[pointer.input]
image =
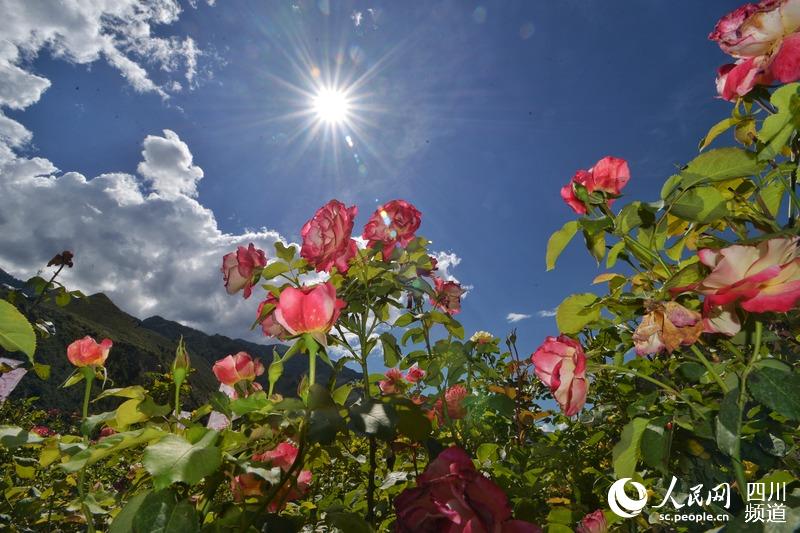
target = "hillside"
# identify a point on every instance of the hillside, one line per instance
(142, 349)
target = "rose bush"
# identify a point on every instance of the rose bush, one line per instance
(682, 370)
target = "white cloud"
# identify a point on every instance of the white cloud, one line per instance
(168, 165)
(545, 313)
(121, 31)
(144, 240)
(516, 317)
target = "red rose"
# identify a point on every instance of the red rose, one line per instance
(238, 268)
(88, 352)
(453, 497)
(313, 310)
(561, 365)
(448, 296)
(232, 369)
(392, 224)
(609, 175)
(326, 237)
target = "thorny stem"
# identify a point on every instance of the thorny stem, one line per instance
(46, 287)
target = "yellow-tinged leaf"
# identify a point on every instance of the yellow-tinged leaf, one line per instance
(558, 500)
(49, 454)
(25, 472)
(607, 276)
(128, 414)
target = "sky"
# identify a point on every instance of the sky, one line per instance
(153, 137)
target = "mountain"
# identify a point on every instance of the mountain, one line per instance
(143, 351)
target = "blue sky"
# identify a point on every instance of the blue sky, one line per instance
(476, 112)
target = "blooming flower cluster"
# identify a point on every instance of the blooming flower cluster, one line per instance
(609, 176)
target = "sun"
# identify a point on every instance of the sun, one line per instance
(331, 106)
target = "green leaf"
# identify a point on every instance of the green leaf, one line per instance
(413, 423)
(285, 252)
(577, 311)
(558, 241)
(701, 204)
(373, 419)
(715, 165)
(274, 269)
(13, 437)
(16, 333)
(776, 389)
(487, 452)
(686, 276)
(626, 452)
(174, 459)
(404, 320)
(391, 351)
(156, 512)
(111, 445)
(613, 253)
(349, 522)
(325, 420)
(341, 393)
(716, 130)
(728, 423)
(596, 244)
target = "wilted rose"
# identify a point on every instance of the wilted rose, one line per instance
(62, 259)
(312, 310)
(238, 268)
(394, 223)
(88, 352)
(561, 365)
(447, 296)
(762, 36)
(232, 369)
(451, 496)
(326, 237)
(246, 486)
(667, 326)
(609, 175)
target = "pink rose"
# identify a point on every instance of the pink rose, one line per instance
(760, 278)
(448, 296)
(232, 369)
(762, 37)
(326, 237)
(246, 486)
(292, 490)
(561, 365)
(666, 327)
(283, 456)
(415, 373)
(238, 268)
(451, 496)
(738, 79)
(270, 326)
(609, 175)
(313, 310)
(593, 523)
(87, 352)
(454, 401)
(394, 223)
(42, 431)
(393, 384)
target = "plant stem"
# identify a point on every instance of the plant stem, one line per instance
(707, 364)
(88, 375)
(312, 347)
(654, 381)
(738, 468)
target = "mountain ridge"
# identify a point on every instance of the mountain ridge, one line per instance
(142, 353)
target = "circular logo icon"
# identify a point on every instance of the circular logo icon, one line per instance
(621, 503)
